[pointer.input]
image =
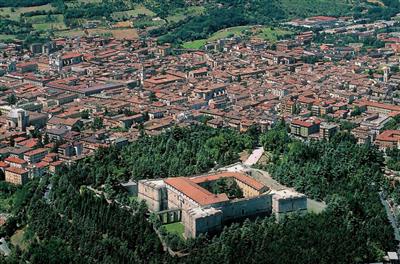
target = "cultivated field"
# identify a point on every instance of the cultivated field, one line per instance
(15, 13)
(125, 33)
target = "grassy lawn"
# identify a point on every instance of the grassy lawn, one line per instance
(6, 37)
(7, 11)
(44, 22)
(270, 34)
(138, 10)
(238, 31)
(18, 239)
(79, 2)
(147, 23)
(176, 228)
(315, 206)
(196, 44)
(263, 32)
(47, 26)
(40, 19)
(182, 13)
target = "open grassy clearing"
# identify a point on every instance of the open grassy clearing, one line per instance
(263, 32)
(49, 26)
(8, 11)
(7, 37)
(138, 10)
(80, 2)
(314, 206)
(175, 228)
(125, 33)
(40, 19)
(183, 13)
(44, 22)
(18, 239)
(148, 23)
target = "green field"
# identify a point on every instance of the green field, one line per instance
(7, 37)
(183, 13)
(40, 19)
(79, 2)
(124, 33)
(48, 26)
(138, 10)
(44, 22)
(196, 44)
(175, 228)
(315, 207)
(15, 15)
(263, 32)
(18, 239)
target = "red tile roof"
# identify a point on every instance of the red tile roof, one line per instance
(3, 164)
(15, 160)
(238, 176)
(16, 170)
(191, 188)
(389, 135)
(195, 191)
(305, 123)
(36, 151)
(29, 143)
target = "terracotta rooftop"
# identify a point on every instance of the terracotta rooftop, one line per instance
(16, 170)
(195, 191)
(15, 160)
(36, 151)
(389, 135)
(238, 176)
(191, 188)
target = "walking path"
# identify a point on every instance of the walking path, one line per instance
(254, 157)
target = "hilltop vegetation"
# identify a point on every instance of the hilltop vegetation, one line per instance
(176, 21)
(77, 226)
(229, 13)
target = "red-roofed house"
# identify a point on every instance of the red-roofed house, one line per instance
(16, 162)
(17, 176)
(388, 139)
(304, 128)
(35, 155)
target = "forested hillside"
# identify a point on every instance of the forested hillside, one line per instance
(177, 21)
(73, 225)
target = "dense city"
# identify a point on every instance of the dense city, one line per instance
(155, 152)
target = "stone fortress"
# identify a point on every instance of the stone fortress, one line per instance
(189, 200)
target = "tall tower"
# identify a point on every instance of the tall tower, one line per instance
(386, 72)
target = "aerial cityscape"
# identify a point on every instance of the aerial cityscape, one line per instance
(192, 131)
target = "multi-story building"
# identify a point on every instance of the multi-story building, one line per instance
(304, 128)
(388, 139)
(327, 131)
(35, 155)
(201, 210)
(17, 176)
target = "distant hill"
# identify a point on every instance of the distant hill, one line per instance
(227, 13)
(176, 21)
